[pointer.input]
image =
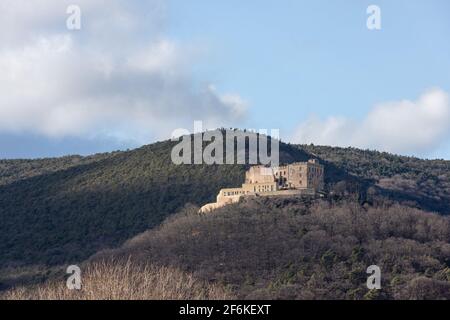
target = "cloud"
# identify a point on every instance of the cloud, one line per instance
(405, 127)
(119, 76)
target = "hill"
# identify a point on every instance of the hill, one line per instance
(426, 182)
(21, 169)
(283, 248)
(272, 248)
(63, 210)
(68, 214)
(55, 211)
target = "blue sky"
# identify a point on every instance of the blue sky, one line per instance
(309, 68)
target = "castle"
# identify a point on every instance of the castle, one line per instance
(293, 179)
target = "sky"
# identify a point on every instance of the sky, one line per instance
(136, 71)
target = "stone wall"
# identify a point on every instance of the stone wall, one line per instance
(296, 178)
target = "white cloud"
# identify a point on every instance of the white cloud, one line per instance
(119, 76)
(406, 127)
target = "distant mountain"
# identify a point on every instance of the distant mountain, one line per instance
(63, 210)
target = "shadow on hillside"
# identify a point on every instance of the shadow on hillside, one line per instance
(68, 215)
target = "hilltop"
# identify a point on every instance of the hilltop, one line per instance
(63, 210)
(60, 210)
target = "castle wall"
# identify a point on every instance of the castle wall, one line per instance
(259, 174)
(296, 178)
(231, 195)
(260, 187)
(315, 175)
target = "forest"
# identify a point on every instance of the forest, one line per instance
(61, 211)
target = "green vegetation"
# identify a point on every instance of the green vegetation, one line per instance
(14, 170)
(69, 214)
(425, 182)
(63, 210)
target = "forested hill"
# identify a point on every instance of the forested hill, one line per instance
(62, 210)
(13, 170)
(68, 214)
(280, 248)
(424, 181)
